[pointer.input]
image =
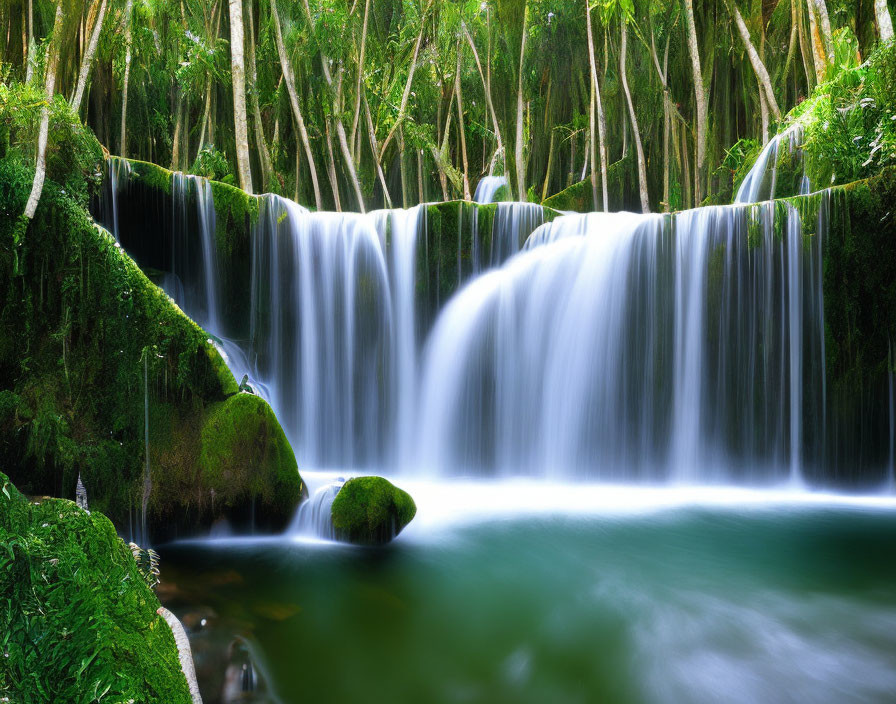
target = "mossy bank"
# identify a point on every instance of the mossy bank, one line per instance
(89, 342)
(79, 622)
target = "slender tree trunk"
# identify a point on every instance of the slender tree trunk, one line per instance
(358, 86)
(206, 113)
(639, 148)
(40, 167)
(819, 55)
(791, 46)
(518, 151)
(238, 74)
(32, 45)
(294, 103)
(403, 169)
(592, 117)
(87, 60)
(825, 24)
(460, 121)
(374, 150)
(667, 128)
(884, 21)
(264, 153)
(700, 96)
(547, 175)
(765, 83)
(486, 86)
(128, 36)
(402, 109)
(175, 148)
(805, 49)
(331, 169)
(763, 113)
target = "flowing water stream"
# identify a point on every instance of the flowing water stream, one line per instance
(559, 419)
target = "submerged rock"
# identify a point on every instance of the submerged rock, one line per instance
(371, 511)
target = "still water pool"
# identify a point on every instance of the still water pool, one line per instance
(533, 593)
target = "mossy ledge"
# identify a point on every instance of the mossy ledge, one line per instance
(371, 511)
(83, 624)
(86, 330)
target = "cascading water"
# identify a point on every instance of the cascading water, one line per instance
(313, 517)
(488, 188)
(763, 181)
(685, 348)
(623, 346)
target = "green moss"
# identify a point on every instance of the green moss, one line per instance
(371, 511)
(78, 621)
(577, 198)
(83, 321)
(152, 175)
(245, 457)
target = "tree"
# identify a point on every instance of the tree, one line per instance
(884, 21)
(40, 168)
(87, 60)
(701, 103)
(238, 72)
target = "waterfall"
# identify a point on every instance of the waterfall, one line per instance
(685, 348)
(781, 158)
(313, 517)
(488, 188)
(622, 346)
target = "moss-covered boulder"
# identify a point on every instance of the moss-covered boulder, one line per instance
(371, 511)
(247, 461)
(78, 622)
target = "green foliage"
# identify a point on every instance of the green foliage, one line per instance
(78, 623)
(371, 511)
(74, 156)
(850, 122)
(212, 164)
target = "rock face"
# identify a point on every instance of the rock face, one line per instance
(82, 619)
(371, 511)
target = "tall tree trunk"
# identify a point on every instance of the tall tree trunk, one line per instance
(460, 121)
(518, 147)
(639, 148)
(825, 23)
(805, 49)
(402, 109)
(884, 21)
(486, 86)
(601, 122)
(359, 85)
(294, 103)
(819, 54)
(592, 118)
(32, 45)
(175, 148)
(547, 174)
(128, 36)
(238, 74)
(374, 150)
(87, 60)
(331, 169)
(700, 97)
(264, 153)
(40, 167)
(765, 83)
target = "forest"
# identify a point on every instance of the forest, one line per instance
(447, 350)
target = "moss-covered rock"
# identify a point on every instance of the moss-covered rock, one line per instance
(371, 511)
(78, 621)
(246, 460)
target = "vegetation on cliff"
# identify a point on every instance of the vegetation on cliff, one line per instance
(78, 621)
